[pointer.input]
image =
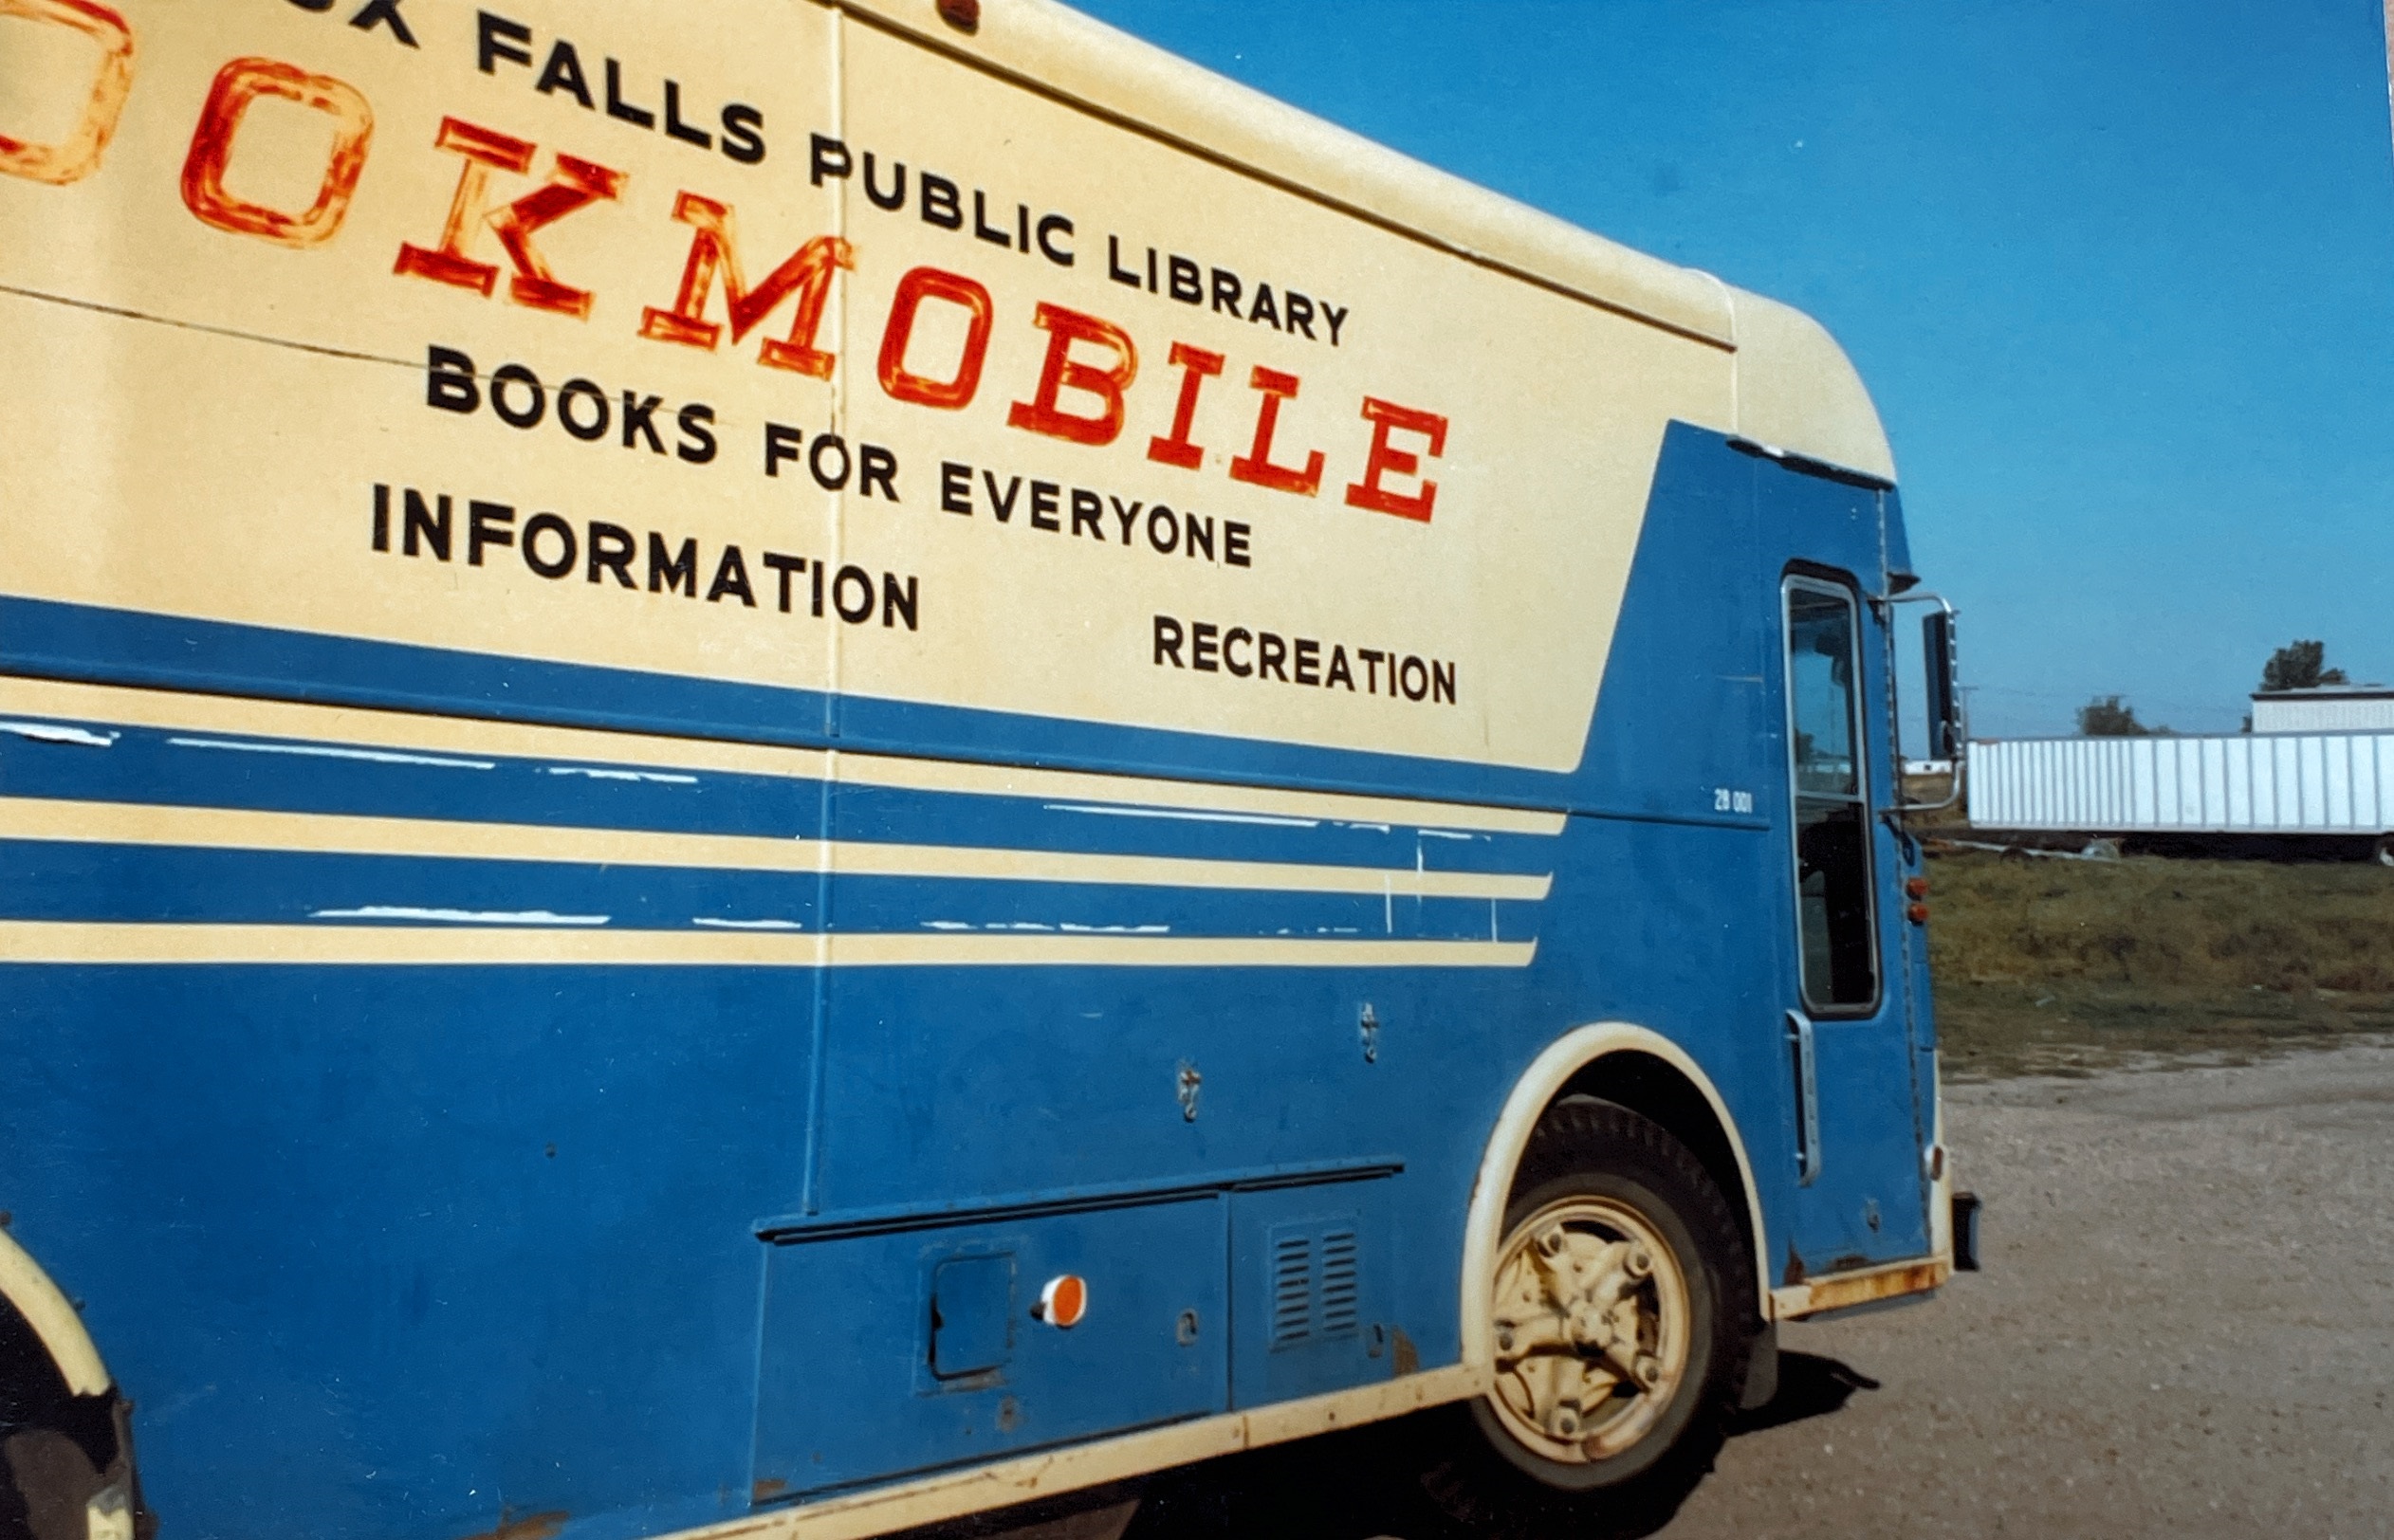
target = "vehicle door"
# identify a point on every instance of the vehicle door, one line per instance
(1861, 1194)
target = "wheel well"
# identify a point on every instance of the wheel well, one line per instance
(1652, 1088)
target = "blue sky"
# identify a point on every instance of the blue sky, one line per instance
(2120, 276)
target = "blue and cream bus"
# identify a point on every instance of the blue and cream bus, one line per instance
(791, 767)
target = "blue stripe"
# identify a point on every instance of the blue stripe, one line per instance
(86, 642)
(72, 880)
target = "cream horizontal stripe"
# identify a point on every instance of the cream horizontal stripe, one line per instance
(149, 823)
(404, 731)
(60, 941)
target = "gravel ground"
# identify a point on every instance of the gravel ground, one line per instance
(2186, 1328)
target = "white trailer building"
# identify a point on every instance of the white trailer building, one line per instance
(2331, 784)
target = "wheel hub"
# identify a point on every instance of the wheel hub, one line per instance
(1591, 1329)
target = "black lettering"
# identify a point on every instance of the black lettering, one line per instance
(877, 467)
(1167, 542)
(1203, 647)
(785, 566)
(487, 524)
(897, 603)
(1308, 660)
(863, 609)
(1200, 530)
(742, 139)
(515, 374)
(496, 38)
(1002, 507)
(1300, 313)
(382, 517)
(617, 107)
(1271, 656)
(1227, 287)
(981, 227)
(942, 205)
(1339, 673)
(1114, 263)
(419, 520)
(1262, 308)
(611, 549)
(1442, 682)
(1182, 281)
(637, 411)
(815, 577)
(563, 73)
(676, 571)
(449, 382)
(1126, 516)
(955, 488)
(896, 197)
(1088, 509)
(829, 481)
(384, 14)
(1049, 226)
(1232, 638)
(1234, 543)
(1043, 506)
(731, 577)
(582, 390)
(567, 548)
(318, 6)
(674, 127)
(1337, 316)
(826, 156)
(1371, 657)
(1413, 678)
(698, 445)
(1168, 640)
(781, 443)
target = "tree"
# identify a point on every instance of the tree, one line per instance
(2107, 717)
(2297, 666)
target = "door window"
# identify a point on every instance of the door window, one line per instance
(1832, 791)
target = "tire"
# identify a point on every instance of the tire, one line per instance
(1544, 1455)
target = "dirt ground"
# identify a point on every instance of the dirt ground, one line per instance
(2186, 1329)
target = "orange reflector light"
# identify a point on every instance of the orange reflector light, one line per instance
(1916, 888)
(1917, 914)
(1063, 1300)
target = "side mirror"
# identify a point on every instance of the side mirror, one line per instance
(1945, 726)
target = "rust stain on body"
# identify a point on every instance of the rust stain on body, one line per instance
(1839, 1293)
(530, 1527)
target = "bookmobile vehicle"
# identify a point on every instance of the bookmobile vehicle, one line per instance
(783, 768)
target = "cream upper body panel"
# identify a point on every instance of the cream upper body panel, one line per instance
(1796, 387)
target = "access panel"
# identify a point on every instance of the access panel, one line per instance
(901, 1349)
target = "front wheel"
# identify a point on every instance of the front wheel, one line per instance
(1622, 1314)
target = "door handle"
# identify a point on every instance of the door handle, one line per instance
(1799, 1042)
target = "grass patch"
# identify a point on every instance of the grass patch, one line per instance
(2046, 966)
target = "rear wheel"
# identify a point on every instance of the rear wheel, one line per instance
(1622, 1314)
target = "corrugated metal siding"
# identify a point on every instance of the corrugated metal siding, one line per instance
(2253, 783)
(2324, 714)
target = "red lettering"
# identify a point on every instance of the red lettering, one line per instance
(77, 155)
(238, 84)
(1386, 459)
(1256, 465)
(574, 183)
(1197, 366)
(714, 252)
(1062, 373)
(922, 283)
